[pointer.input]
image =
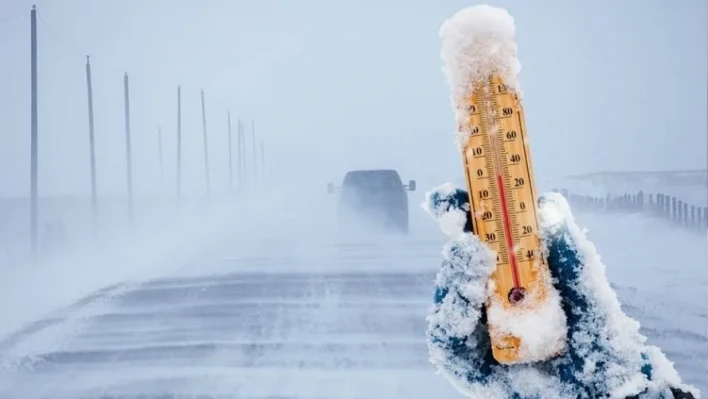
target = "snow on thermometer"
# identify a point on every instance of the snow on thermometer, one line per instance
(481, 66)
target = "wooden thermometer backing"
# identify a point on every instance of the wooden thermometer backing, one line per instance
(503, 200)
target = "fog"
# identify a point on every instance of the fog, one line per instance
(330, 87)
(345, 85)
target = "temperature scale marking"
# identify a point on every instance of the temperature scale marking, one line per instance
(503, 198)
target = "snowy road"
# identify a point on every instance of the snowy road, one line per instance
(225, 334)
(339, 320)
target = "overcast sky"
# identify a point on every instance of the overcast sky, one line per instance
(339, 85)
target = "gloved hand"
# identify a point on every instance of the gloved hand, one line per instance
(605, 355)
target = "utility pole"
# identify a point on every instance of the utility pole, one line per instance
(94, 200)
(206, 146)
(231, 167)
(34, 130)
(179, 143)
(128, 154)
(255, 155)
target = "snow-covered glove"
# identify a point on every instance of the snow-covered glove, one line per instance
(605, 355)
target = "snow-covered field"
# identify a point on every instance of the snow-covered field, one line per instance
(688, 186)
(298, 312)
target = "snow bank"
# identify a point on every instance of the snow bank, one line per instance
(476, 43)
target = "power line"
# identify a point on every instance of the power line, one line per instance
(10, 17)
(69, 49)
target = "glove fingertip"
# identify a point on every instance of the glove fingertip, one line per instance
(443, 199)
(449, 206)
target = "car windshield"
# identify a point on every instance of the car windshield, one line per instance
(372, 181)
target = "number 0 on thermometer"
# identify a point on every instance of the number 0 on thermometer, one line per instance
(503, 199)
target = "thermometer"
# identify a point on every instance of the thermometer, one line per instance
(503, 205)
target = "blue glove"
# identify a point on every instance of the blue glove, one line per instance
(605, 355)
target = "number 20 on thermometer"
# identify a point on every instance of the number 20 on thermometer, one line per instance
(503, 200)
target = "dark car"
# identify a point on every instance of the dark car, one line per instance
(375, 197)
